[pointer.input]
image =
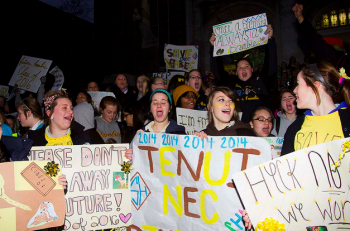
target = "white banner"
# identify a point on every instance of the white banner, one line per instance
(181, 58)
(300, 191)
(182, 183)
(4, 91)
(59, 78)
(276, 146)
(97, 96)
(28, 73)
(168, 75)
(192, 120)
(98, 192)
(240, 35)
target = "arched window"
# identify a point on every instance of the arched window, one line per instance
(335, 18)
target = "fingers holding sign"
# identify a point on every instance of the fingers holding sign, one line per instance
(212, 39)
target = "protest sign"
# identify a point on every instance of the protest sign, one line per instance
(28, 73)
(4, 91)
(192, 120)
(98, 193)
(29, 199)
(180, 182)
(97, 96)
(276, 145)
(168, 75)
(299, 191)
(181, 58)
(59, 78)
(240, 35)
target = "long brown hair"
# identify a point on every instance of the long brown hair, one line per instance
(229, 93)
(330, 80)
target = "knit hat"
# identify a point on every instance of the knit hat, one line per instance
(182, 89)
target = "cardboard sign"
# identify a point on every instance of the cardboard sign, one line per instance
(168, 75)
(98, 194)
(181, 58)
(28, 73)
(4, 91)
(29, 199)
(59, 78)
(300, 191)
(180, 182)
(192, 120)
(97, 96)
(276, 146)
(240, 35)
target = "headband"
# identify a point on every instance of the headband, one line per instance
(51, 98)
(317, 73)
(162, 91)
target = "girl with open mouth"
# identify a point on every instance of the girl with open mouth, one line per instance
(223, 115)
(161, 114)
(194, 80)
(287, 114)
(185, 97)
(262, 122)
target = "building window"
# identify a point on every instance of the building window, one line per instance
(325, 21)
(342, 17)
(334, 18)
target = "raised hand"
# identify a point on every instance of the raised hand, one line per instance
(298, 12)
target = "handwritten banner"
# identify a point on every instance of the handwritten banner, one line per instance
(29, 199)
(183, 183)
(97, 96)
(98, 194)
(192, 120)
(301, 190)
(276, 145)
(59, 78)
(240, 35)
(4, 91)
(28, 73)
(181, 58)
(168, 75)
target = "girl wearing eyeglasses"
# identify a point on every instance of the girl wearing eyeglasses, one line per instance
(194, 80)
(262, 122)
(185, 97)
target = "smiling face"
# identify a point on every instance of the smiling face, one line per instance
(62, 115)
(92, 86)
(222, 109)
(195, 80)
(244, 70)
(305, 96)
(287, 103)
(188, 101)
(109, 113)
(121, 81)
(262, 128)
(81, 97)
(160, 107)
(139, 83)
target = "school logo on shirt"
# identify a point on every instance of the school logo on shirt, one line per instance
(111, 134)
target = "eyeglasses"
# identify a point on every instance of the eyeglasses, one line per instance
(196, 77)
(263, 119)
(126, 115)
(190, 96)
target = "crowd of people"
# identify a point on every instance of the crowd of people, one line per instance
(312, 106)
